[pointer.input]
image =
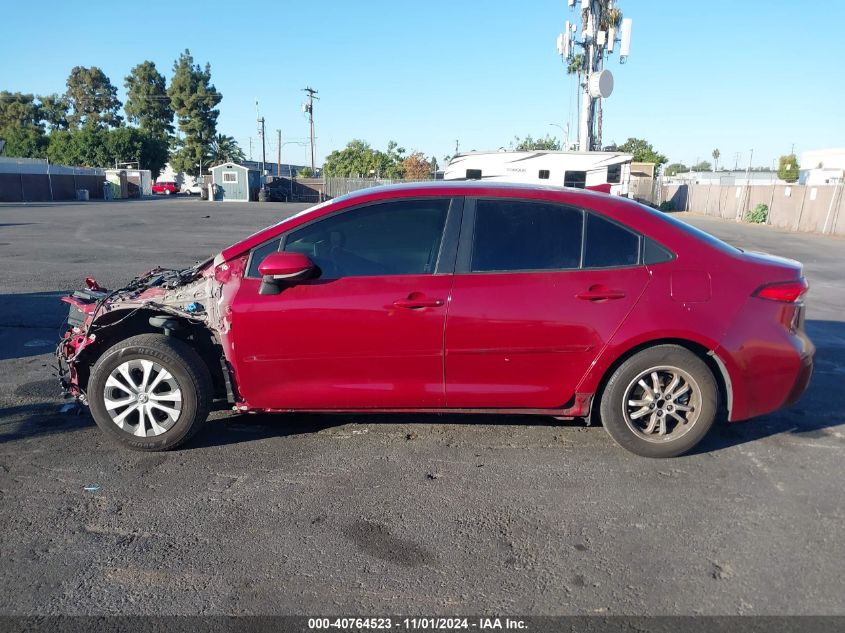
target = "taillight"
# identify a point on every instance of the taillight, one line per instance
(786, 291)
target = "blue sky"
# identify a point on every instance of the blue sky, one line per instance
(729, 74)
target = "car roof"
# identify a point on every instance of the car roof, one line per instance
(477, 188)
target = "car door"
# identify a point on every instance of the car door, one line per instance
(368, 331)
(539, 289)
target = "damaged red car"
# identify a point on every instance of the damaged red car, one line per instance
(451, 297)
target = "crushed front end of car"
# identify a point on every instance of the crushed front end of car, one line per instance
(185, 303)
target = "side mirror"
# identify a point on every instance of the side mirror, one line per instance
(278, 268)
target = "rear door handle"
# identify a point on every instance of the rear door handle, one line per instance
(412, 303)
(600, 293)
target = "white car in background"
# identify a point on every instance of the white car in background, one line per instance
(192, 190)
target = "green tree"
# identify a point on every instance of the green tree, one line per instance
(675, 168)
(54, 111)
(361, 160)
(305, 172)
(92, 98)
(19, 110)
(788, 168)
(642, 151)
(21, 126)
(95, 147)
(194, 99)
(716, 153)
(147, 101)
(127, 144)
(702, 166)
(24, 142)
(529, 143)
(225, 149)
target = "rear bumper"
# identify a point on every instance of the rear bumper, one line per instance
(802, 379)
(769, 374)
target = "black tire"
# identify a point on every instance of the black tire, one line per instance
(703, 400)
(187, 370)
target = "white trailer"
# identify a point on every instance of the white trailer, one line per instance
(609, 172)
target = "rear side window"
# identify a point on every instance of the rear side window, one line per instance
(390, 238)
(513, 235)
(609, 244)
(654, 253)
(473, 174)
(614, 174)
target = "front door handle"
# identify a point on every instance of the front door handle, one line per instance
(599, 292)
(417, 300)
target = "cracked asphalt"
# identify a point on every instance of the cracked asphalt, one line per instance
(413, 514)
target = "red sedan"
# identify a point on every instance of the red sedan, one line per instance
(451, 297)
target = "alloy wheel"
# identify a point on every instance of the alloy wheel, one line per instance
(662, 404)
(142, 398)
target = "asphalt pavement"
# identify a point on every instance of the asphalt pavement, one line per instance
(412, 514)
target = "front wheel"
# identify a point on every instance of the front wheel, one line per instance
(660, 402)
(150, 392)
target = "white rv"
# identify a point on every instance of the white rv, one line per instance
(609, 172)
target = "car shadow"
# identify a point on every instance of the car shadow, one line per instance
(30, 323)
(817, 412)
(253, 427)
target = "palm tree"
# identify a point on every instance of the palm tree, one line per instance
(225, 149)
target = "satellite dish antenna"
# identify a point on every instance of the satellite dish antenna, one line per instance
(601, 84)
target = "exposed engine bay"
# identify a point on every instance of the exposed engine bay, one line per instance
(175, 302)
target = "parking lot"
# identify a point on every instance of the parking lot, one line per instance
(412, 514)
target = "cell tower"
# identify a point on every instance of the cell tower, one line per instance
(602, 27)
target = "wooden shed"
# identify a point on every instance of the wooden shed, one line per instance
(236, 182)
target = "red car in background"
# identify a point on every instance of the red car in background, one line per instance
(166, 187)
(451, 297)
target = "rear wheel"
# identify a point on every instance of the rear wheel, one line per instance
(150, 392)
(660, 402)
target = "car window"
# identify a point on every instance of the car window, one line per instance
(401, 237)
(654, 253)
(609, 244)
(259, 254)
(513, 235)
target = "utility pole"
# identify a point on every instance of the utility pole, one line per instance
(601, 21)
(263, 144)
(309, 109)
(279, 155)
